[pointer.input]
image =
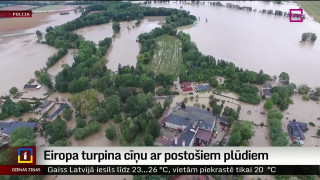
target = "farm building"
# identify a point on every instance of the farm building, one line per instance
(31, 86)
(58, 111)
(186, 84)
(296, 130)
(266, 90)
(6, 128)
(45, 106)
(181, 118)
(202, 87)
(187, 90)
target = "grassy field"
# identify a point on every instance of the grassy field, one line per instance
(312, 8)
(48, 8)
(168, 55)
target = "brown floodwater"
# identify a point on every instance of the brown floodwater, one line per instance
(20, 55)
(254, 40)
(124, 48)
(97, 139)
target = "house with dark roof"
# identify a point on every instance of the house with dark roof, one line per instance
(296, 130)
(45, 106)
(203, 137)
(266, 90)
(6, 128)
(224, 121)
(179, 118)
(31, 86)
(199, 133)
(58, 111)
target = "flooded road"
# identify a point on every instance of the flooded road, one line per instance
(254, 40)
(124, 48)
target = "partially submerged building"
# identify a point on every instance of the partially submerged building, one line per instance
(224, 121)
(6, 128)
(45, 106)
(266, 90)
(31, 86)
(179, 118)
(296, 129)
(58, 111)
(196, 126)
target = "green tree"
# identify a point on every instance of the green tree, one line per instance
(39, 33)
(116, 27)
(304, 89)
(268, 104)
(235, 139)
(148, 86)
(275, 97)
(22, 136)
(111, 132)
(13, 90)
(117, 118)
(183, 106)
(318, 132)
(148, 140)
(284, 78)
(24, 106)
(57, 130)
(112, 106)
(213, 82)
(45, 79)
(81, 123)
(67, 114)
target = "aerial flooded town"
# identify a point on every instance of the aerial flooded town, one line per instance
(160, 73)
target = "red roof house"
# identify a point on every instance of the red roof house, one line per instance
(187, 89)
(186, 84)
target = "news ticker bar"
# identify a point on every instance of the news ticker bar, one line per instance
(18, 13)
(161, 170)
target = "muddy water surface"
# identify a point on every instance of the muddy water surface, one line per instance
(124, 48)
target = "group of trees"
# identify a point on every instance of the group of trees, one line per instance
(241, 133)
(281, 95)
(231, 114)
(213, 102)
(16, 109)
(22, 136)
(44, 78)
(200, 68)
(304, 90)
(308, 36)
(57, 130)
(56, 57)
(277, 136)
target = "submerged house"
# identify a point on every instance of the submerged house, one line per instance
(6, 128)
(31, 86)
(296, 130)
(224, 121)
(45, 106)
(179, 118)
(58, 111)
(266, 90)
